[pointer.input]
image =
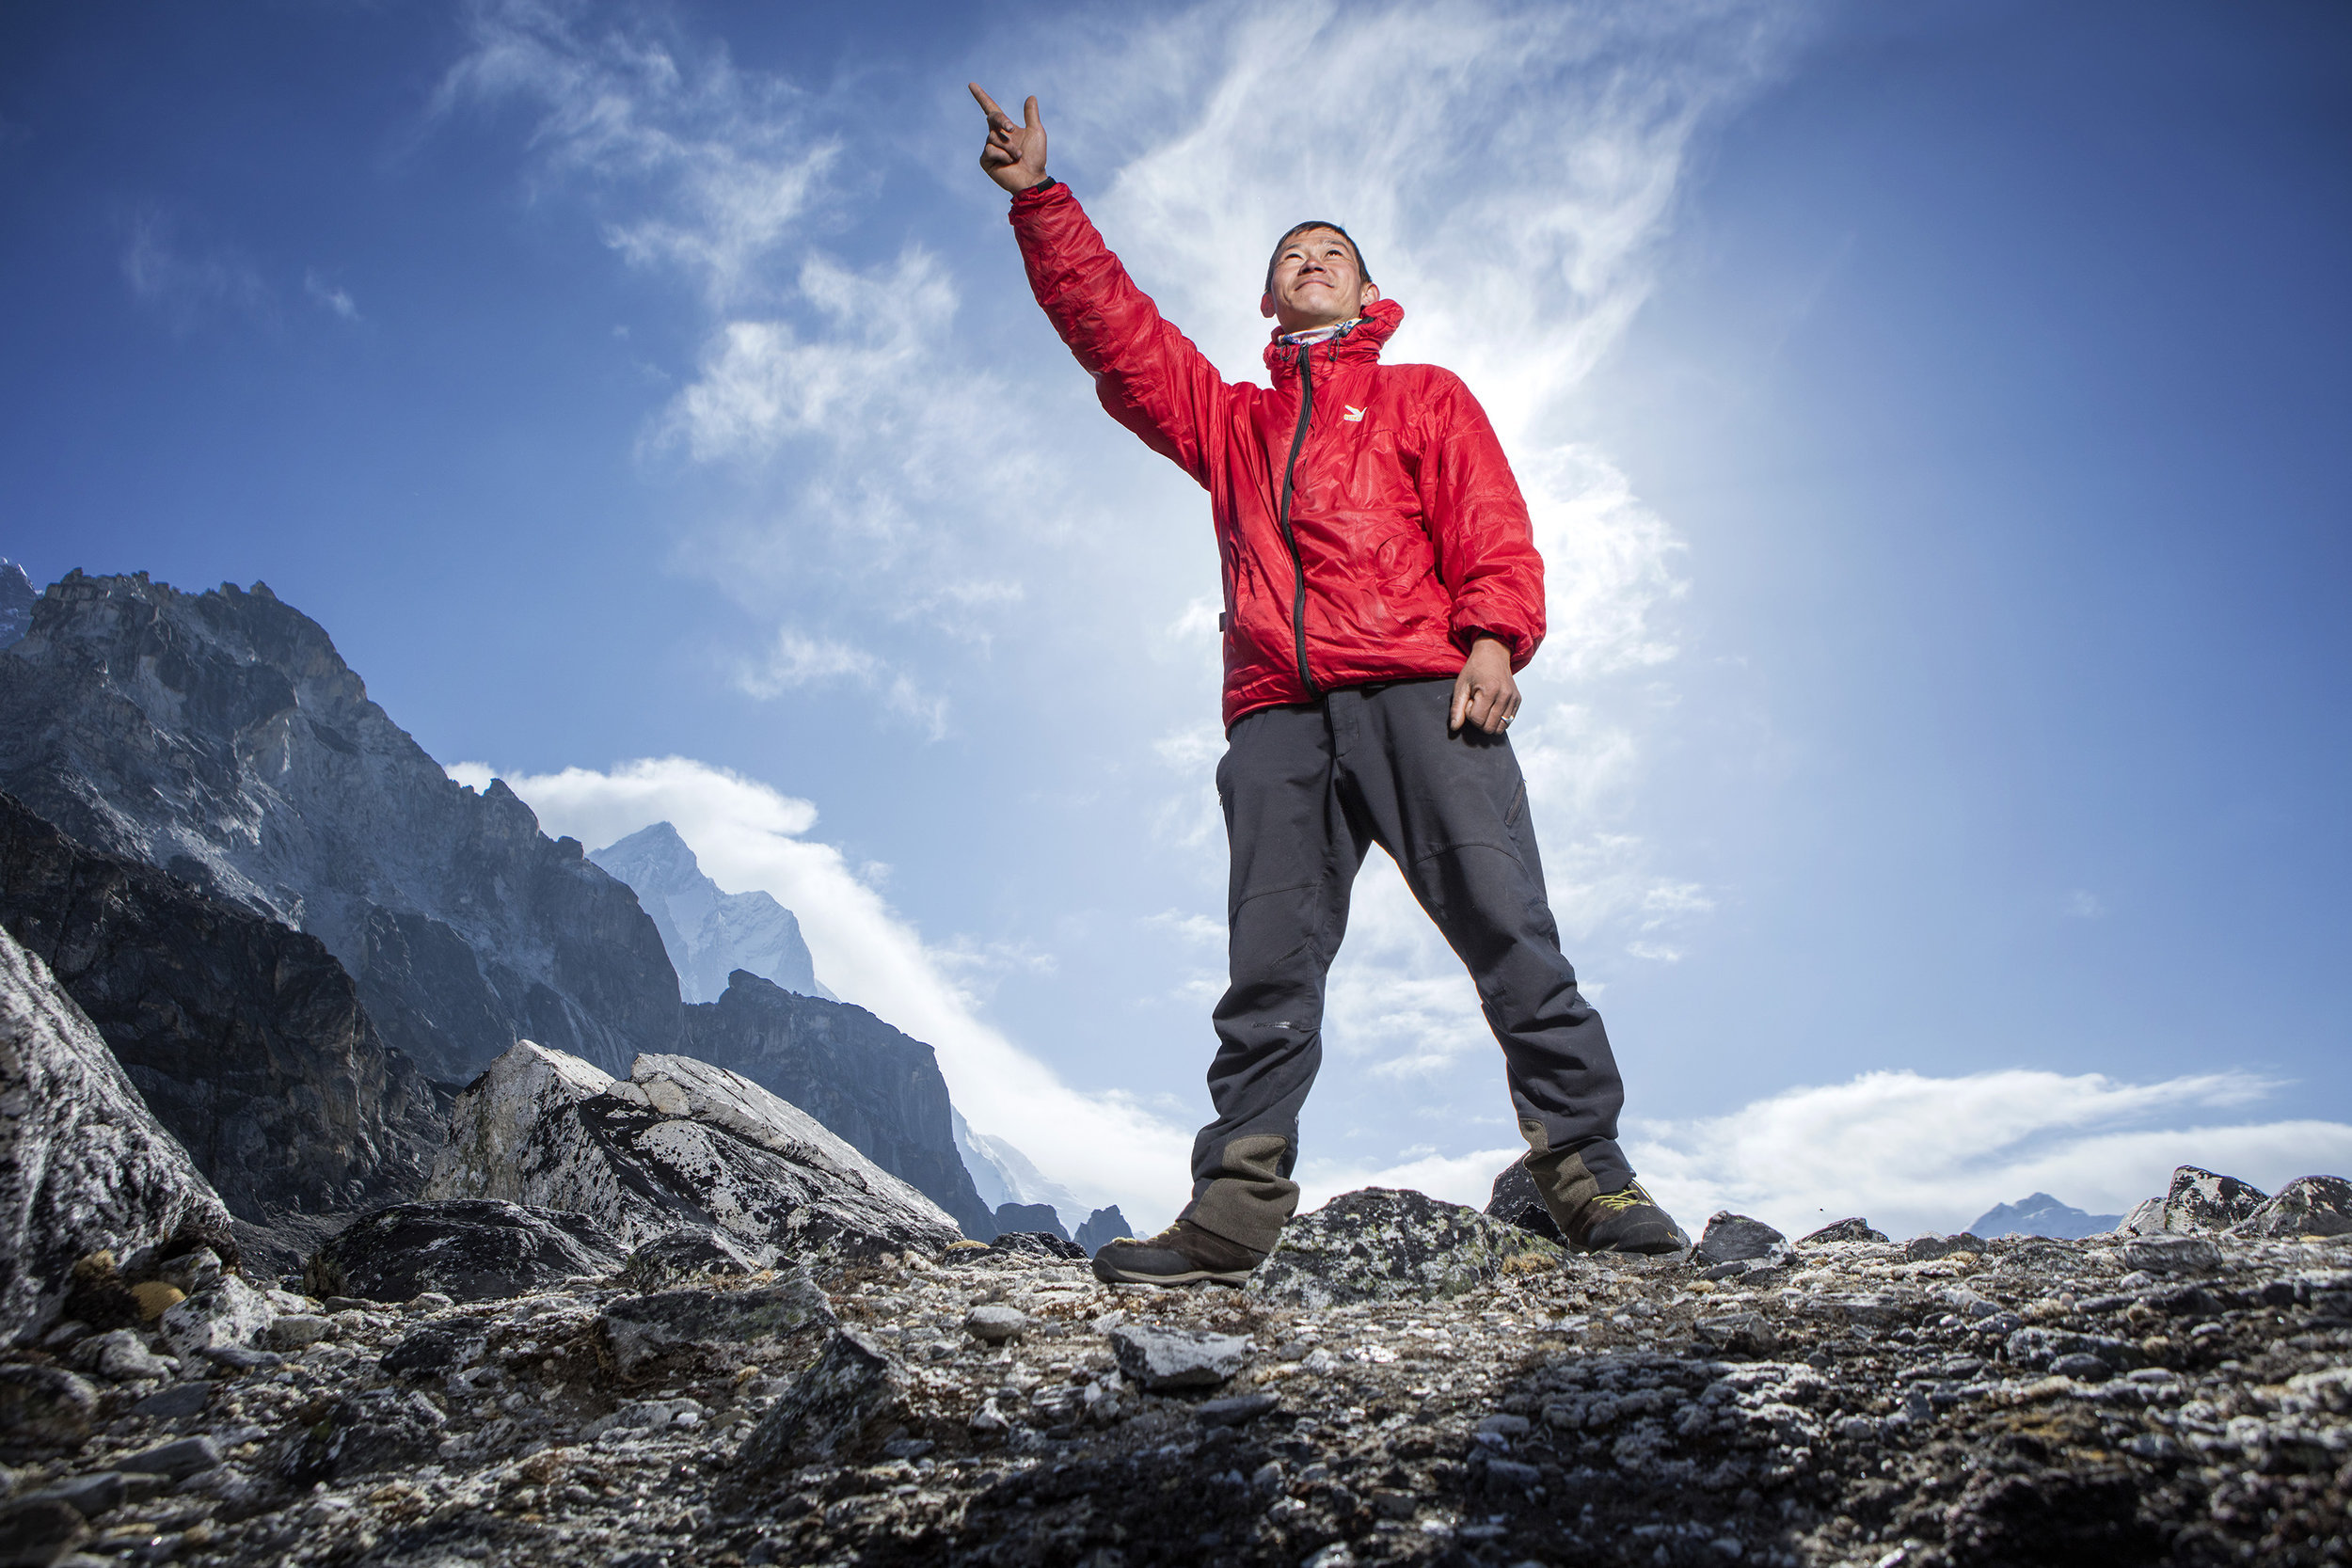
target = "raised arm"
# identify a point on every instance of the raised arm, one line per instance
(1149, 375)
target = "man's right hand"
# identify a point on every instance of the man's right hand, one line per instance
(1014, 156)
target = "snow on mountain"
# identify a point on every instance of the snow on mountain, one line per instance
(709, 933)
(2042, 1215)
(1005, 1174)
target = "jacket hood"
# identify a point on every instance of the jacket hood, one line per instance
(1362, 343)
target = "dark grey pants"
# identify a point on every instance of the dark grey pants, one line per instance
(1308, 790)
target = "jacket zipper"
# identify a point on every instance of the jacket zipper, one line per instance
(1298, 567)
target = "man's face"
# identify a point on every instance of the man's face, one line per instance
(1317, 283)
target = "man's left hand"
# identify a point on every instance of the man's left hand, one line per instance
(1483, 693)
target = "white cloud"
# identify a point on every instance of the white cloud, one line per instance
(1913, 1153)
(712, 167)
(1455, 1177)
(796, 660)
(2084, 905)
(749, 835)
(187, 282)
(329, 296)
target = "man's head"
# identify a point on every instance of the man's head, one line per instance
(1316, 278)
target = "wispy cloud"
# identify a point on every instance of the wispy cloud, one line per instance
(749, 835)
(188, 281)
(330, 297)
(796, 660)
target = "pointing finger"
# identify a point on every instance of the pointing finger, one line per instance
(988, 106)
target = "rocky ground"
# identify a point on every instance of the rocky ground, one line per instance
(2123, 1400)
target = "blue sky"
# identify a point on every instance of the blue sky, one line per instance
(1933, 414)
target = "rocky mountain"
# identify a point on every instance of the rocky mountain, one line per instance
(1002, 1174)
(245, 1038)
(1406, 1382)
(878, 1089)
(709, 934)
(220, 737)
(2042, 1216)
(17, 596)
(1102, 1227)
(85, 1169)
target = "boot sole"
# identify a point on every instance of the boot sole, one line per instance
(1110, 1274)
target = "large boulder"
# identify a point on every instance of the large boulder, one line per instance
(2307, 1206)
(879, 1090)
(468, 1249)
(679, 1144)
(1386, 1244)
(221, 737)
(2199, 1202)
(85, 1167)
(1515, 1200)
(244, 1036)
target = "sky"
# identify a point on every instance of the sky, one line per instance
(1933, 416)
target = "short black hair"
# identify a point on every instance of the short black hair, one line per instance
(1364, 272)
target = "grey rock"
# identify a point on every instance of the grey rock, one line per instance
(847, 1402)
(37, 1532)
(1033, 1219)
(177, 1458)
(1238, 1411)
(2198, 1203)
(1731, 1238)
(243, 1036)
(641, 1329)
(1515, 1200)
(876, 1089)
(219, 736)
(695, 1257)
(94, 1495)
(1163, 1359)
(2039, 1349)
(1505, 1477)
(2040, 1215)
(44, 1407)
(993, 1324)
(299, 1330)
(679, 1144)
(1037, 1243)
(85, 1167)
(2172, 1255)
(1101, 1228)
(2081, 1366)
(2307, 1206)
(467, 1249)
(230, 1312)
(2049, 1516)
(1920, 1249)
(17, 598)
(1737, 1334)
(124, 1358)
(373, 1429)
(242, 1358)
(1384, 1244)
(432, 1352)
(173, 1404)
(1856, 1229)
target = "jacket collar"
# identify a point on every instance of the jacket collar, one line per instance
(1360, 345)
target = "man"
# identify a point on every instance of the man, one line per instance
(1381, 589)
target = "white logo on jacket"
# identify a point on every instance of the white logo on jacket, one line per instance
(1354, 415)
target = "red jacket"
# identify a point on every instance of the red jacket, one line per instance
(1367, 530)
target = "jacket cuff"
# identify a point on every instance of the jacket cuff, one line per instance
(1038, 192)
(1468, 623)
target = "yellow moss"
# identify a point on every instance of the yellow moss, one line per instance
(155, 1298)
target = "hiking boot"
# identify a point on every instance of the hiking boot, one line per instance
(1627, 1220)
(1183, 1254)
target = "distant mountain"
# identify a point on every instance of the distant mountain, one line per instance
(220, 737)
(709, 934)
(17, 596)
(1002, 1174)
(2042, 1215)
(1103, 1227)
(875, 1088)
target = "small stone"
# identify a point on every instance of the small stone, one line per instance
(2172, 1255)
(1504, 1476)
(229, 1312)
(172, 1404)
(1168, 1358)
(1731, 1238)
(92, 1496)
(45, 1406)
(846, 1403)
(1737, 1334)
(2081, 1367)
(994, 1324)
(1383, 1244)
(175, 1460)
(987, 1418)
(1504, 1426)
(375, 1429)
(37, 1531)
(433, 1352)
(1238, 1411)
(430, 1301)
(296, 1330)
(123, 1357)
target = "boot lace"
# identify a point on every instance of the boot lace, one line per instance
(1627, 1197)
